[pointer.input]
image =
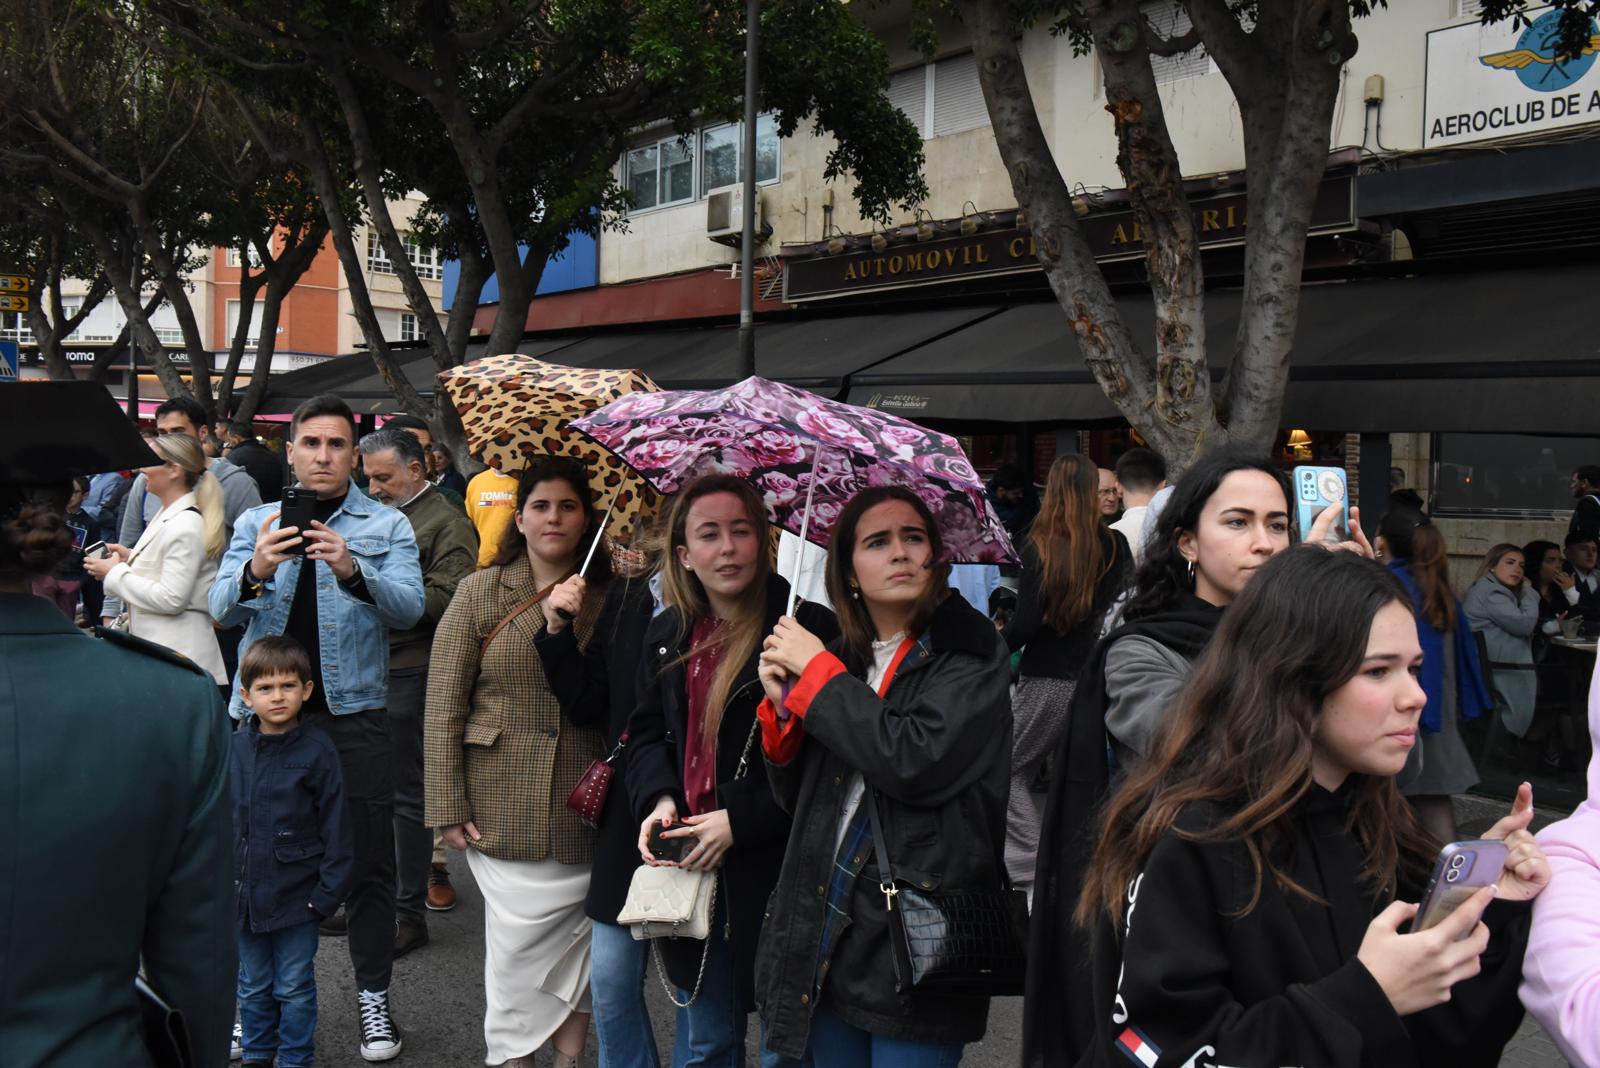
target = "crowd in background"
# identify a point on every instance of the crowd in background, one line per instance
(1170, 709)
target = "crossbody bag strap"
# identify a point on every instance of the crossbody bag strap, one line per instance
(509, 616)
(880, 851)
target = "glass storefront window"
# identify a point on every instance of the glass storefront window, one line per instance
(1506, 474)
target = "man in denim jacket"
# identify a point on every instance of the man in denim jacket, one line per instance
(359, 577)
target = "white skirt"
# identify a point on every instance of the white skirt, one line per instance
(536, 950)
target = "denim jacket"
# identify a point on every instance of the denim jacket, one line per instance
(354, 634)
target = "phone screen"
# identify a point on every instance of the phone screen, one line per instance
(1315, 489)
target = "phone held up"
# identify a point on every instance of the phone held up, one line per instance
(1462, 870)
(299, 509)
(672, 849)
(1315, 490)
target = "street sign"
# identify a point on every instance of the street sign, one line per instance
(15, 283)
(8, 361)
(10, 302)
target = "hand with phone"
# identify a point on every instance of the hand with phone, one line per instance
(1417, 970)
(274, 546)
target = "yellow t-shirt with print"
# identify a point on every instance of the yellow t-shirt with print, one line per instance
(491, 504)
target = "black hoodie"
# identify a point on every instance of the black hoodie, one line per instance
(1193, 983)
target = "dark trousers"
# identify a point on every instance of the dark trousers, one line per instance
(362, 739)
(413, 841)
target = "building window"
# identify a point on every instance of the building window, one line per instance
(661, 174)
(1170, 20)
(941, 98)
(254, 258)
(1469, 7)
(13, 327)
(721, 147)
(172, 335)
(425, 261)
(1518, 474)
(253, 336)
(408, 327)
(377, 259)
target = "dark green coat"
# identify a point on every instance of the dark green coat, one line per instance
(114, 826)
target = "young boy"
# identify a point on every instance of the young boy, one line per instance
(293, 850)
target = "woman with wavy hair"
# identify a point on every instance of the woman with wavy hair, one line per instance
(165, 577)
(1073, 567)
(1440, 765)
(692, 746)
(1256, 872)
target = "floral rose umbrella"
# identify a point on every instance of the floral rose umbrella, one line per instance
(799, 449)
(516, 409)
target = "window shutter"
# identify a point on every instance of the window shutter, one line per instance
(908, 91)
(957, 97)
(1469, 7)
(1171, 20)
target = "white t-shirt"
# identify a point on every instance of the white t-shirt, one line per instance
(1131, 526)
(882, 653)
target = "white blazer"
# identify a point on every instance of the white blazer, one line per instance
(165, 583)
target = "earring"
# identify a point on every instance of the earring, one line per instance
(1191, 572)
(855, 592)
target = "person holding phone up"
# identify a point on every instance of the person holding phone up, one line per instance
(1257, 873)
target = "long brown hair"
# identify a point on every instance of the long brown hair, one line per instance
(1066, 537)
(1411, 537)
(740, 636)
(855, 622)
(1244, 732)
(514, 543)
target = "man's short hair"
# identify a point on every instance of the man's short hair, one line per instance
(1141, 470)
(405, 445)
(273, 655)
(1578, 537)
(1589, 473)
(407, 421)
(323, 404)
(187, 407)
(242, 428)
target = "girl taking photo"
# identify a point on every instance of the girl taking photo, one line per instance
(1256, 873)
(165, 577)
(500, 761)
(693, 730)
(1073, 567)
(908, 711)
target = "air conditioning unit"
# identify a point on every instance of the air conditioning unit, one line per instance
(725, 216)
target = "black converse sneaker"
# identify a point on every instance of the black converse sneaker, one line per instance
(380, 1038)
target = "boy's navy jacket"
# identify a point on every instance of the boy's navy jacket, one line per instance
(293, 851)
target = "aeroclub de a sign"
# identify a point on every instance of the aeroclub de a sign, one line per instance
(1490, 82)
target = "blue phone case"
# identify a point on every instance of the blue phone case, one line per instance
(1315, 488)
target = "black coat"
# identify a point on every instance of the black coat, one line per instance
(655, 767)
(596, 688)
(1204, 985)
(263, 465)
(936, 749)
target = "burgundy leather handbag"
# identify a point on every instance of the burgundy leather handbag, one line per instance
(588, 799)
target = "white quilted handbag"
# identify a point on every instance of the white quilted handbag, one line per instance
(669, 903)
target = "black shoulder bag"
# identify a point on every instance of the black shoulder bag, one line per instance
(952, 941)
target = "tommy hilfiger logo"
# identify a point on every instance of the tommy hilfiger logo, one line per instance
(1139, 1049)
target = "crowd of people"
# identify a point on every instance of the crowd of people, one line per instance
(1218, 762)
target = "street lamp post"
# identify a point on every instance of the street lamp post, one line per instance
(747, 243)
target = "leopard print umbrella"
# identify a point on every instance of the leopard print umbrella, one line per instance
(516, 409)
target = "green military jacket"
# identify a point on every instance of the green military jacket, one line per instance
(447, 550)
(115, 827)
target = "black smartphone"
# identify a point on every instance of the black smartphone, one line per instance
(298, 510)
(673, 849)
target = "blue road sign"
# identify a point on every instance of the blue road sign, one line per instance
(8, 361)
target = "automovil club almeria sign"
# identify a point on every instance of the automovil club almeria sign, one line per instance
(1488, 82)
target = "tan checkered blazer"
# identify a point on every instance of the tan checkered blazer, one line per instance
(497, 750)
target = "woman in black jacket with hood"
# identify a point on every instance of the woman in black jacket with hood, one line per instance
(908, 711)
(1257, 871)
(693, 730)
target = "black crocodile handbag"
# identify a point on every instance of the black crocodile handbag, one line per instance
(952, 941)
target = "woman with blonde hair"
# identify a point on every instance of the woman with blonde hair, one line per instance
(693, 747)
(165, 577)
(1503, 606)
(1073, 567)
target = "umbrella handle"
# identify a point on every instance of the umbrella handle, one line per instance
(805, 527)
(562, 612)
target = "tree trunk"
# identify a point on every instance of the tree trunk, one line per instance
(249, 286)
(142, 333)
(172, 283)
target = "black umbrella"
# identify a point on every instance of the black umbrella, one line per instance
(52, 431)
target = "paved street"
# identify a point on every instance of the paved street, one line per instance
(438, 992)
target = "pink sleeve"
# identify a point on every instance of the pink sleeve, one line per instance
(1561, 971)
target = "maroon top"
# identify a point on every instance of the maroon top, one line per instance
(700, 751)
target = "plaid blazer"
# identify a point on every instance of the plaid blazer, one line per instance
(496, 748)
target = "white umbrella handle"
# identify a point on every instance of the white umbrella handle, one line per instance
(805, 527)
(562, 612)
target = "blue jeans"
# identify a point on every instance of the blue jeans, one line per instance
(716, 1028)
(278, 994)
(617, 973)
(841, 1045)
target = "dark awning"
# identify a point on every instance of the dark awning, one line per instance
(813, 353)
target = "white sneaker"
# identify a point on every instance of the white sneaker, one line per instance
(380, 1039)
(238, 1042)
